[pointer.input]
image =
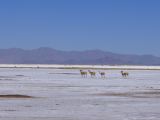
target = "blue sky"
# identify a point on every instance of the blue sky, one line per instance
(121, 26)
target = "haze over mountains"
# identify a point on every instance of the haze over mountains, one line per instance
(51, 56)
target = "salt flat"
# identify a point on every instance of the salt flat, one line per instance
(62, 94)
(131, 67)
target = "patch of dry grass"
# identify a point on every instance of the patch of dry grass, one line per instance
(146, 94)
(15, 96)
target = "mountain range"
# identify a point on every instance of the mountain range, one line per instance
(46, 55)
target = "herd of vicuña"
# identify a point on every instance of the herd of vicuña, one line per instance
(84, 73)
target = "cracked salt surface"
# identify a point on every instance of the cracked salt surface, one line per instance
(70, 97)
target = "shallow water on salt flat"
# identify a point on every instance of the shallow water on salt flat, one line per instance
(62, 94)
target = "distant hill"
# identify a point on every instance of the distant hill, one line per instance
(52, 56)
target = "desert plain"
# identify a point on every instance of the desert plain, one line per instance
(63, 94)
